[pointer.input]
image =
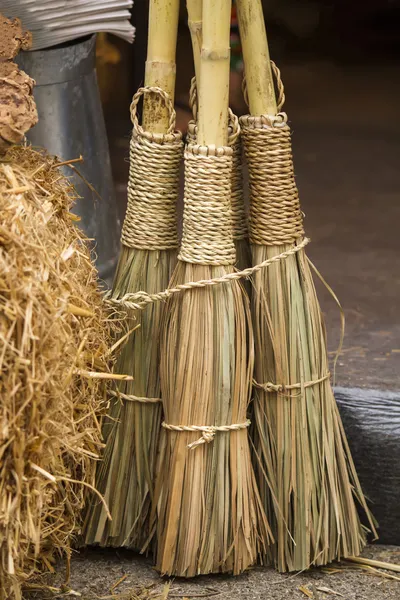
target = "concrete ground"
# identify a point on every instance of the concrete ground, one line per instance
(96, 573)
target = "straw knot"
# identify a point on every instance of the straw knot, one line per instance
(286, 389)
(133, 398)
(151, 217)
(207, 431)
(207, 217)
(275, 214)
(208, 435)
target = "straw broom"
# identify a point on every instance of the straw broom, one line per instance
(239, 217)
(209, 514)
(307, 477)
(149, 250)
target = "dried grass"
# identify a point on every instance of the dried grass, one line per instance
(210, 516)
(54, 338)
(306, 475)
(131, 430)
(243, 258)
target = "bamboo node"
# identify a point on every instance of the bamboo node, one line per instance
(207, 431)
(215, 54)
(285, 389)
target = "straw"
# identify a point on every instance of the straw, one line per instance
(54, 331)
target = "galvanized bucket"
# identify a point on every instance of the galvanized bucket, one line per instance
(71, 124)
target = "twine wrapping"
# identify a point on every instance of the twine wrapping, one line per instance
(208, 431)
(151, 217)
(239, 217)
(275, 214)
(207, 217)
(133, 398)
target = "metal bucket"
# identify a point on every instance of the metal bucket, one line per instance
(71, 124)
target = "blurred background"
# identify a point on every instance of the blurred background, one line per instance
(340, 63)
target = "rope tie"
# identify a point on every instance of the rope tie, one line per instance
(275, 214)
(207, 217)
(139, 300)
(151, 218)
(193, 102)
(133, 398)
(285, 389)
(207, 431)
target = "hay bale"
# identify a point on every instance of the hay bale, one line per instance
(54, 342)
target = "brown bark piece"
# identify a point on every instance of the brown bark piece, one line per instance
(17, 106)
(12, 38)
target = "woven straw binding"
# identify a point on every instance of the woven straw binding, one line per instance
(275, 214)
(207, 218)
(239, 217)
(151, 220)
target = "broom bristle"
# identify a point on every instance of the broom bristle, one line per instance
(210, 516)
(306, 473)
(149, 236)
(131, 431)
(209, 511)
(307, 477)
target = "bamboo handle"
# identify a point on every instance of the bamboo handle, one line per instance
(214, 74)
(160, 64)
(257, 63)
(195, 14)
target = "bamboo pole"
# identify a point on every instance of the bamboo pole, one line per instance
(160, 64)
(239, 218)
(214, 72)
(259, 81)
(195, 22)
